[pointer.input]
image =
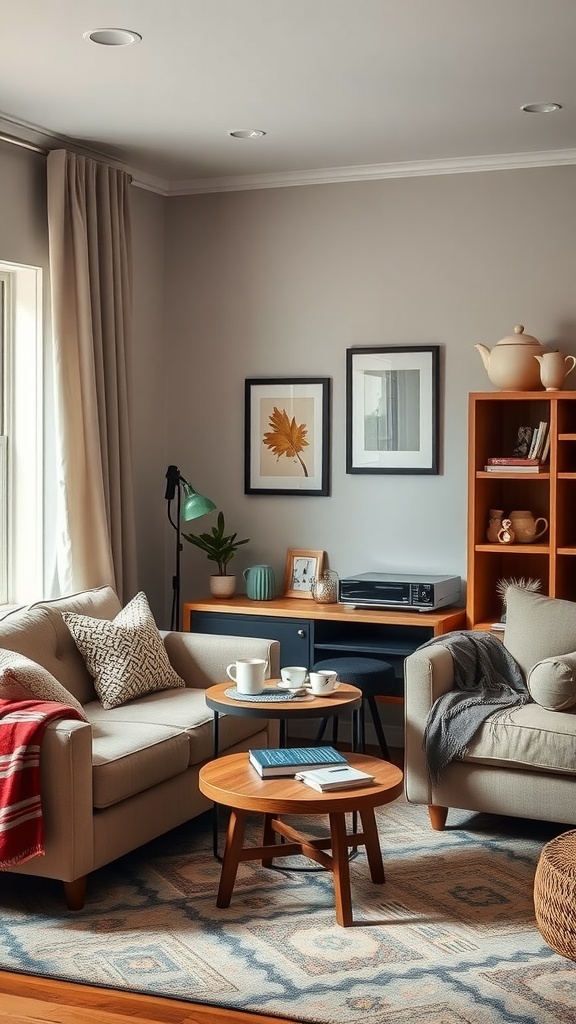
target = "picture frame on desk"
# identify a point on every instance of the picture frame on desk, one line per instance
(392, 409)
(287, 436)
(302, 567)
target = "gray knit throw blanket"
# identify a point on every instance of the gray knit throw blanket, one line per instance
(487, 678)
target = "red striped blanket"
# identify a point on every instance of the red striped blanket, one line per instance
(22, 726)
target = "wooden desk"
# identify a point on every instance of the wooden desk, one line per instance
(310, 632)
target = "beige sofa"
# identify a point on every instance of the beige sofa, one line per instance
(128, 774)
(524, 762)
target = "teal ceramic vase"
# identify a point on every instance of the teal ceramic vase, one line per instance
(260, 583)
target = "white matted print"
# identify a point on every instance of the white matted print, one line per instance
(392, 409)
(286, 436)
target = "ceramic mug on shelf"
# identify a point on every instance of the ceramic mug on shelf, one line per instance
(248, 674)
(525, 526)
(324, 681)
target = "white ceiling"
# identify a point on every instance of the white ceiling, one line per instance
(345, 89)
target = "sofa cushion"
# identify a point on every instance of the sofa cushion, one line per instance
(131, 758)
(186, 709)
(529, 737)
(538, 627)
(552, 682)
(22, 679)
(39, 632)
(126, 657)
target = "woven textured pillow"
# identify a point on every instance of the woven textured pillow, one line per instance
(22, 679)
(125, 656)
(552, 683)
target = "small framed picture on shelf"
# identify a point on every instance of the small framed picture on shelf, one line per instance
(302, 566)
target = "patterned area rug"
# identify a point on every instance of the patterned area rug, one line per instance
(450, 937)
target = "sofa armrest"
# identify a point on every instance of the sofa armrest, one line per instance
(67, 805)
(201, 659)
(428, 674)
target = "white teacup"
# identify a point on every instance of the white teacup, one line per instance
(294, 675)
(248, 674)
(324, 681)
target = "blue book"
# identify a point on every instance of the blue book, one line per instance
(290, 760)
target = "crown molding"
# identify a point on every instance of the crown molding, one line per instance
(41, 141)
(376, 172)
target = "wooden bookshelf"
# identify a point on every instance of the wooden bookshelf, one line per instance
(494, 418)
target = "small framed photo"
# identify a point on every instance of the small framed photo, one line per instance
(287, 436)
(301, 568)
(392, 409)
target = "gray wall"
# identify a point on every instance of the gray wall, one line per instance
(281, 282)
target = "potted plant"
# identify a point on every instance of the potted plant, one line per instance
(220, 548)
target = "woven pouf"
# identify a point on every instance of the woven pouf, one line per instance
(555, 894)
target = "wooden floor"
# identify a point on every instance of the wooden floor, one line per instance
(25, 1000)
(29, 1000)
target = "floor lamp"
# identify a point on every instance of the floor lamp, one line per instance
(193, 506)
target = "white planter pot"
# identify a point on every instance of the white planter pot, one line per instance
(222, 586)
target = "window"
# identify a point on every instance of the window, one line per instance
(21, 434)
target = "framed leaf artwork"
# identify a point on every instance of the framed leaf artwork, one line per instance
(287, 436)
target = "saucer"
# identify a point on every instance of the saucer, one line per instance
(295, 690)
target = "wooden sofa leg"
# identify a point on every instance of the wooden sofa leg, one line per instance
(437, 816)
(75, 893)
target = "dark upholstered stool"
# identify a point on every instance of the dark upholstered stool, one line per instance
(374, 678)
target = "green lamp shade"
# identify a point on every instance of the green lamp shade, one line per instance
(194, 505)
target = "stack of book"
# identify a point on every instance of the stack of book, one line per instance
(536, 444)
(322, 768)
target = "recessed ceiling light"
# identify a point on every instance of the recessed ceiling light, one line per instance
(247, 133)
(113, 36)
(541, 108)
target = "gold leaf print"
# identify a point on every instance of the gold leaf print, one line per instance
(286, 437)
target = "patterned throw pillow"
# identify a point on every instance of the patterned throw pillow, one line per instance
(126, 656)
(22, 679)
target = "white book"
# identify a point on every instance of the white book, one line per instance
(326, 779)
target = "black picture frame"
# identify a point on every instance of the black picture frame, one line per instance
(287, 436)
(392, 409)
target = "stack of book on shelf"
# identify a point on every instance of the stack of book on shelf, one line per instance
(529, 455)
(323, 768)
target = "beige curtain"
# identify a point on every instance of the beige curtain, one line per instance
(91, 287)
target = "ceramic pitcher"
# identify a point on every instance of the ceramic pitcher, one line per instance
(525, 526)
(554, 368)
(260, 583)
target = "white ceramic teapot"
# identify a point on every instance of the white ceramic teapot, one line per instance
(510, 365)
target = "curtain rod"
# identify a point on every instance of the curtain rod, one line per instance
(24, 145)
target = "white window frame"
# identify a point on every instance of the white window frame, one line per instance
(22, 512)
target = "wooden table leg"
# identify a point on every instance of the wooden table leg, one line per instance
(231, 859)
(372, 844)
(341, 869)
(268, 838)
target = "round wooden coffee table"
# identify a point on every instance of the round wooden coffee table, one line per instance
(345, 698)
(231, 780)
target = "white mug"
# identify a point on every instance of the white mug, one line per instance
(248, 674)
(294, 675)
(324, 681)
